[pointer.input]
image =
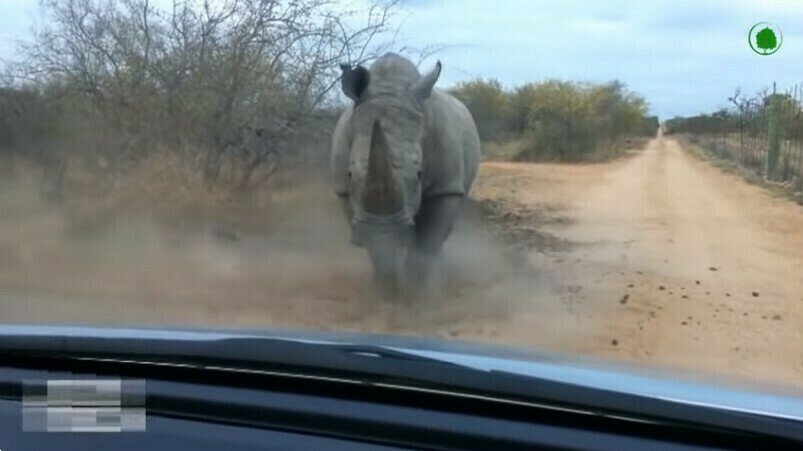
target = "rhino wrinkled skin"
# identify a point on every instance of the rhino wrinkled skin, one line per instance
(404, 156)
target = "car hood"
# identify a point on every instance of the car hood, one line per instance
(578, 371)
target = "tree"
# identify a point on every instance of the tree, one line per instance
(766, 40)
(234, 81)
(618, 112)
(569, 121)
(522, 100)
(561, 121)
(489, 105)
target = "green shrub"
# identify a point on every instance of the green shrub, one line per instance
(569, 121)
(489, 104)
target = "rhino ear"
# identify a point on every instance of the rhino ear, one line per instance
(422, 88)
(354, 81)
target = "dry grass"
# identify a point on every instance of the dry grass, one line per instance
(510, 149)
(165, 186)
(693, 145)
(503, 151)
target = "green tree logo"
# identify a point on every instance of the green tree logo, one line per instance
(765, 39)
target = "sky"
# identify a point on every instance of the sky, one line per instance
(685, 56)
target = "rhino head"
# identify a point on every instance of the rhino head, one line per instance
(385, 135)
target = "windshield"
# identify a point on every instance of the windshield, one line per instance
(592, 178)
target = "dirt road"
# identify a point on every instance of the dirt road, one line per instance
(658, 258)
(668, 260)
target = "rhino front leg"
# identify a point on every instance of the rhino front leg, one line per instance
(349, 214)
(385, 262)
(434, 224)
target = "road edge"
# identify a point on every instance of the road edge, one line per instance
(729, 167)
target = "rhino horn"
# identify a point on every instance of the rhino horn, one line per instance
(380, 196)
(422, 88)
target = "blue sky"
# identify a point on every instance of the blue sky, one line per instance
(684, 56)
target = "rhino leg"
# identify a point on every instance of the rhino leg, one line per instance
(434, 224)
(347, 212)
(386, 258)
(422, 275)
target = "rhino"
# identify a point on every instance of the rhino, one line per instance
(404, 156)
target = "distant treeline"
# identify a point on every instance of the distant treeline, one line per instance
(719, 122)
(557, 119)
(748, 115)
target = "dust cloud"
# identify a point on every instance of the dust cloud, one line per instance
(288, 264)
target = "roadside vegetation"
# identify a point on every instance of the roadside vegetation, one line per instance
(209, 108)
(114, 102)
(557, 120)
(760, 135)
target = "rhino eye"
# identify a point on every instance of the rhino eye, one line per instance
(419, 175)
(349, 174)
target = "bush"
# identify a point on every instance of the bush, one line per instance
(558, 120)
(489, 104)
(233, 81)
(649, 126)
(557, 139)
(719, 122)
(569, 121)
(27, 120)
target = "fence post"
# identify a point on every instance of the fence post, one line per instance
(773, 134)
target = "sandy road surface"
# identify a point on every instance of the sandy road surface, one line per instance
(609, 260)
(670, 261)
